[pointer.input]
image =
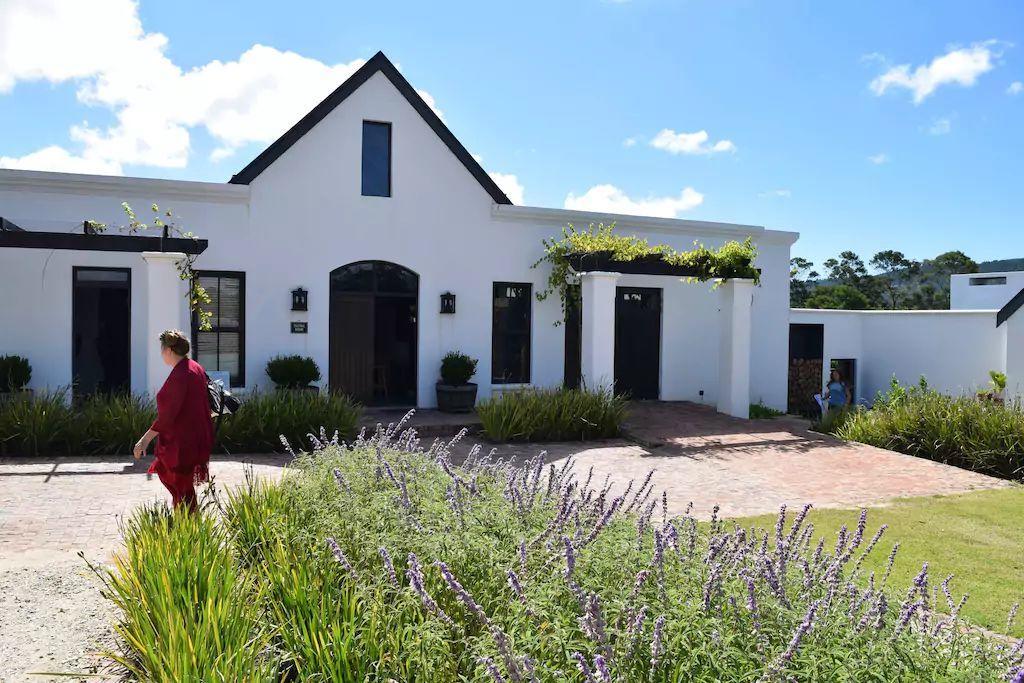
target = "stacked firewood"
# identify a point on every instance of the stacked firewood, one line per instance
(804, 383)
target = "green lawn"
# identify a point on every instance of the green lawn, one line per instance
(978, 536)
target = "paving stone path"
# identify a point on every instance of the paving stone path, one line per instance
(50, 509)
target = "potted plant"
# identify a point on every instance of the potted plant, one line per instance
(15, 373)
(455, 393)
(293, 372)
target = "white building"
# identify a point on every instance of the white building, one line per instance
(953, 349)
(984, 291)
(373, 207)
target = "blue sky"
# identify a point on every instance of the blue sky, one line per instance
(863, 126)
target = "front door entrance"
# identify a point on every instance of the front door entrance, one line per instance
(373, 332)
(637, 342)
(101, 330)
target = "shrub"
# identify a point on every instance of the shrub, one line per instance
(48, 424)
(759, 411)
(15, 373)
(552, 415)
(958, 430)
(457, 368)
(264, 418)
(293, 372)
(379, 563)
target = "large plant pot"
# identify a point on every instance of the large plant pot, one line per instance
(456, 399)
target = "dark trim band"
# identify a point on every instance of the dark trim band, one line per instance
(1011, 307)
(32, 239)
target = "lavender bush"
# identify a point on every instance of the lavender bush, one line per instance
(384, 560)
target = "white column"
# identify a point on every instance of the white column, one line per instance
(734, 348)
(598, 333)
(166, 308)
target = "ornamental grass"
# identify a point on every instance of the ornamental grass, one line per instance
(552, 415)
(383, 561)
(965, 431)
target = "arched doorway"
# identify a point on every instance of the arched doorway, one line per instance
(373, 332)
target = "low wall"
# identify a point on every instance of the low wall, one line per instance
(954, 350)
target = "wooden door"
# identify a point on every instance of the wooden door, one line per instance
(351, 345)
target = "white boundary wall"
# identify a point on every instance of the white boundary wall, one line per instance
(954, 350)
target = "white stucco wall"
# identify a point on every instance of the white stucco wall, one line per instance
(304, 216)
(954, 350)
(964, 295)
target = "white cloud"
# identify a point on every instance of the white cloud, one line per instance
(510, 185)
(961, 66)
(776, 193)
(879, 159)
(940, 127)
(55, 158)
(610, 199)
(629, 142)
(689, 143)
(1015, 88)
(124, 69)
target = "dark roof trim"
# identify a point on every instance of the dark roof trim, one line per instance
(600, 261)
(1010, 308)
(6, 225)
(31, 239)
(382, 64)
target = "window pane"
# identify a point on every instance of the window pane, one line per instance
(229, 310)
(222, 346)
(392, 278)
(357, 277)
(376, 159)
(111, 276)
(510, 330)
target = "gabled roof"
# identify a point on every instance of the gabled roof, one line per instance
(377, 63)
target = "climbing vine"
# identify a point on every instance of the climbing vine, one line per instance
(197, 294)
(732, 260)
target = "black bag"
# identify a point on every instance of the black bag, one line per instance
(222, 402)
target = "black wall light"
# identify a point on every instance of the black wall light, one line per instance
(448, 303)
(300, 299)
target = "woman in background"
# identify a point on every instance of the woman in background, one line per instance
(183, 424)
(837, 393)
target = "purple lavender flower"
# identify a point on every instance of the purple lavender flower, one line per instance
(890, 562)
(333, 546)
(593, 625)
(388, 565)
(601, 670)
(462, 594)
(339, 479)
(786, 657)
(522, 558)
(583, 666)
(656, 645)
(492, 669)
(415, 575)
(516, 586)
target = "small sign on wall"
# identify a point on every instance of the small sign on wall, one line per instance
(300, 328)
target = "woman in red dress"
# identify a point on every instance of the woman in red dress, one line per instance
(183, 424)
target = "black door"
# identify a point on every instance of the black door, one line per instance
(637, 342)
(573, 337)
(373, 332)
(101, 324)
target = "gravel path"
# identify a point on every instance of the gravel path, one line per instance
(52, 621)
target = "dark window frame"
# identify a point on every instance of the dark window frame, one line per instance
(986, 281)
(495, 379)
(240, 276)
(362, 157)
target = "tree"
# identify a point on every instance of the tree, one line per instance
(844, 297)
(954, 262)
(848, 269)
(800, 271)
(895, 269)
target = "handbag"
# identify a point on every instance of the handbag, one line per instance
(222, 402)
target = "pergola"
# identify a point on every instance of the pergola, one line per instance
(166, 301)
(599, 275)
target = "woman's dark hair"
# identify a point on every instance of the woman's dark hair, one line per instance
(837, 372)
(176, 341)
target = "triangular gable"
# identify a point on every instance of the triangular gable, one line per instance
(382, 64)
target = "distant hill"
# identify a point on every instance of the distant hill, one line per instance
(1001, 265)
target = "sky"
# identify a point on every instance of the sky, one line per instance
(864, 126)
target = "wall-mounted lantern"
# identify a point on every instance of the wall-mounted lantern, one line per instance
(448, 303)
(300, 299)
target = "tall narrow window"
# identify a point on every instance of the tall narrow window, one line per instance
(376, 159)
(222, 347)
(510, 333)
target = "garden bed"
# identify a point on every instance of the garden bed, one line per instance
(380, 562)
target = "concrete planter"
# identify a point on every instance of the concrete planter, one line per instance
(456, 399)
